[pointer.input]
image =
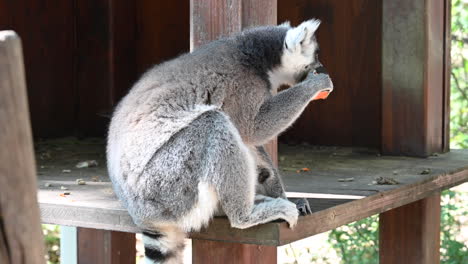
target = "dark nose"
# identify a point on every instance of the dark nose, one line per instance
(321, 69)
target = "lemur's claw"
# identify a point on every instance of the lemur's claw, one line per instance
(303, 206)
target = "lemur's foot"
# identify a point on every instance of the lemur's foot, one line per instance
(303, 206)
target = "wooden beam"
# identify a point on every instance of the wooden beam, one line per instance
(411, 234)
(210, 19)
(415, 114)
(414, 99)
(214, 252)
(20, 229)
(105, 247)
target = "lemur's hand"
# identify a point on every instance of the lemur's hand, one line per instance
(302, 206)
(320, 83)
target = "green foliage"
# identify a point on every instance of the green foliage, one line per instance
(453, 245)
(357, 243)
(52, 243)
(459, 80)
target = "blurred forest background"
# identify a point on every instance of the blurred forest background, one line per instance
(357, 243)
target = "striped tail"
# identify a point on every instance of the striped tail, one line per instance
(164, 246)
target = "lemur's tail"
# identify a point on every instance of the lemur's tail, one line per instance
(164, 246)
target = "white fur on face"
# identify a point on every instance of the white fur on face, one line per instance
(298, 52)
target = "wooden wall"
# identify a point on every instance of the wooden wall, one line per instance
(350, 48)
(82, 56)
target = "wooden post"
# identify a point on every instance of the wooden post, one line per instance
(415, 112)
(414, 62)
(20, 229)
(105, 247)
(210, 19)
(214, 252)
(411, 234)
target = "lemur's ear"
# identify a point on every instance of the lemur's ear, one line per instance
(299, 37)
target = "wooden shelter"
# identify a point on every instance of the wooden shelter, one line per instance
(390, 63)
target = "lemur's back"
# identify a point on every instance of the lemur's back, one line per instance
(165, 100)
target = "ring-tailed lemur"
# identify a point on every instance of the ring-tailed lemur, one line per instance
(185, 142)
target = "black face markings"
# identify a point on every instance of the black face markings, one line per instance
(321, 69)
(263, 175)
(156, 255)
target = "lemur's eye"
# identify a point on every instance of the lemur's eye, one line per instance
(263, 175)
(307, 66)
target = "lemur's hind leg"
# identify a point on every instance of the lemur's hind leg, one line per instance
(234, 176)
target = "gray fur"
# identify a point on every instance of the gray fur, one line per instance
(197, 123)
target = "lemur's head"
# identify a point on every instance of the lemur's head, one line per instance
(299, 56)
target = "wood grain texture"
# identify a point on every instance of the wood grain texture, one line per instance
(413, 77)
(214, 252)
(20, 230)
(411, 234)
(77, 77)
(211, 19)
(163, 31)
(48, 38)
(105, 247)
(259, 13)
(105, 60)
(123, 48)
(94, 205)
(350, 39)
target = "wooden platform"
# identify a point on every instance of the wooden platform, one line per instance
(341, 183)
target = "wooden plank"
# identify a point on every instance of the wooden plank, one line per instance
(106, 247)
(48, 57)
(411, 234)
(20, 230)
(214, 252)
(412, 71)
(159, 36)
(350, 39)
(94, 205)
